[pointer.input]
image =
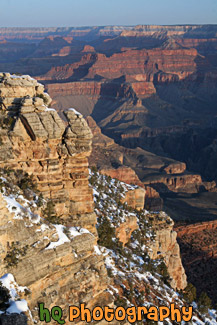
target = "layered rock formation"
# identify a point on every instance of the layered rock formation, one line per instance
(124, 174)
(135, 198)
(163, 246)
(184, 182)
(95, 32)
(149, 199)
(166, 245)
(55, 153)
(149, 87)
(69, 272)
(138, 79)
(144, 85)
(148, 98)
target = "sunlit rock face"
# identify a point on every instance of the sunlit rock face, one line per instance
(55, 153)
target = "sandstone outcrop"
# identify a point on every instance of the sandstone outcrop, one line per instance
(135, 198)
(53, 276)
(184, 182)
(177, 168)
(148, 197)
(124, 174)
(165, 245)
(124, 231)
(55, 153)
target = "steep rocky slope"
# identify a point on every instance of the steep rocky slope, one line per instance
(138, 278)
(164, 244)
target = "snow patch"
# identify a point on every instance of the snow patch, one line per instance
(97, 250)
(75, 111)
(77, 231)
(20, 211)
(17, 307)
(50, 109)
(62, 238)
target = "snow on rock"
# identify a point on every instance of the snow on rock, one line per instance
(97, 250)
(17, 307)
(20, 211)
(73, 232)
(50, 109)
(44, 227)
(15, 304)
(77, 231)
(14, 76)
(62, 237)
(75, 111)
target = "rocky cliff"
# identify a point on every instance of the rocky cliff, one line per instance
(55, 153)
(49, 243)
(165, 244)
(54, 269)
(129, 219)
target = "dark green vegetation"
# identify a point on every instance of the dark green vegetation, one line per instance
(204, 303)
(45, 99)
(4, 296)
(49, 213)
(14, 253)
(18, 180)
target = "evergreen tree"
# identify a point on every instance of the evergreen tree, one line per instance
(204, 303)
